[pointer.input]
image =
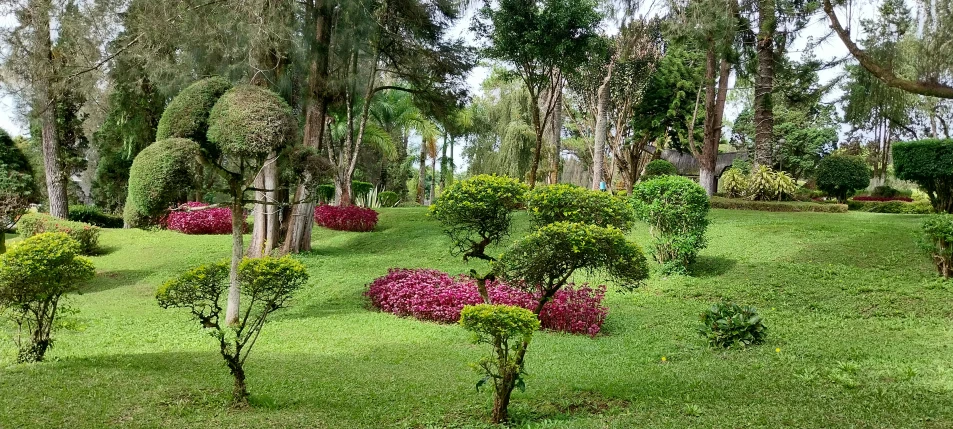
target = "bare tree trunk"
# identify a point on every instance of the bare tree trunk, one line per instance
(764, 84)
(714, 113)
(601, 130)
(534, 167)
(555, 125)
(45, 105)
(238, 228)
(422, 173)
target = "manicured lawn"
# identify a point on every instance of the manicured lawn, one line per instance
(865, 334)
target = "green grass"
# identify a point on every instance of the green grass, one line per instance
(863, 327)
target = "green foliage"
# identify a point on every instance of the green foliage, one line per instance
(545, 259)
(266, 285)
(93, 216)
(776, 206)
(668, 102)
(361, 190)
(325, 193)
(476, 212)
(86, 235)
(676, 209)
(34, 276)
(187, 115)
(250, 121)
(659, 167)
(727, 324)
(840, 175)
(896, 207)
(734, 183)
(570, 203)
(388, 199)
(765, 184)
(161, 174)
(929, 164)
(742, 165)
(938, 241)
(888, 191)
(17, 185)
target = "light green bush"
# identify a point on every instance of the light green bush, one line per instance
(570, 203)
(86, 235)
(676, 210)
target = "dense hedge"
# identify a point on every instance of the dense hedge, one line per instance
(776, 206)
(929, 164)
(840, 175)
(37, 223)
(186, 116)
(250, 121)
(161, 174)
(897, 207)
(94, 216)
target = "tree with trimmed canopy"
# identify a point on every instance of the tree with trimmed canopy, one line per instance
(570, 203)
(929, 164)
(840, 175)
(676, 209)
(659, 167)
(34, 276)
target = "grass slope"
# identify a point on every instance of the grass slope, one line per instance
(864, 332)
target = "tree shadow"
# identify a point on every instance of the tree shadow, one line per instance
(711, 266)
(107, 280)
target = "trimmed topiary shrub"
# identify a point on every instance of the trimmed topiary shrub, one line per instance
(882, 198)
(325, 194)
(659, 167)
(388, 199)
(93, 216)
(34, 276)
(251, 121)
(266, 286)
(929, 164)
(570, 203)
(86, 235)
(209, 221)
(186, 116)
(346, 218)
(728, 325)
(841, 175)
(938, 241)
(676, 210)
(886, 191)
(437, 297)
(163, 173)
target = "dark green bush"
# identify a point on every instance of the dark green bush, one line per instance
(570, 203)
(938, 241)
(676, 210)
(727, 324)
(388, 199)
(929, 164)
(360, 190)
(841, 175)
(888, 191)
(17, 186)
(266, 286)
(776, 206)
(161, 175)
(34, 276)
(186, 116)
(86, 235)
(251, 121)
(896, 207)
(93, 216)
(508, 329)
(325, 193)
(659, 167)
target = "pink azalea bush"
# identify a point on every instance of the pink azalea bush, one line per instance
(211, 221)
(349, 218)
(438, 297)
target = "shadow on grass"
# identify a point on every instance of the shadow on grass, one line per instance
(711, 266)
(117, 278)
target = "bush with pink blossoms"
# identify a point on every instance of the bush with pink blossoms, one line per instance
(209, 221)
(438, 297)
(347, 218)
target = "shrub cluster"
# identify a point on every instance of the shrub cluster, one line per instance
(938, 241)
(209, 221)
(890, 206)
(888, 191)
(37, 223)
(776, 206)
(676, 209)
(929, 164)
(728, 324)
(347, 218)
(570, 203)
(94, 216)
(881, 198)
(438, 297)
(841, 175)
(761, 184)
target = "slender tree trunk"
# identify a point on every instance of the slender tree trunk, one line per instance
(764, 84)
(714, 112)
(502, 400)
(238, 228)
(534, 166)
(45, 105)
(601, 130)
(433, 180)
(422, 173)
(555, 125)
(443, 163)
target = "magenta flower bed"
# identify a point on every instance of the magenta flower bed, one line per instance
(436, 296)
(211, 221)
(349, 218)
(868, 198)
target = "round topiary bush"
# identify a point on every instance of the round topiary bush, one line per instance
(659, 167)
(161, 174)
(676, 210)
(929, 164)
(186, 116)
(840, 175)
(250, 121)
(570, 203)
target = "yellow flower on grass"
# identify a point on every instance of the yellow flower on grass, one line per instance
(777, 350)
(663, 359)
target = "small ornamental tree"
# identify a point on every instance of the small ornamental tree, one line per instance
(659, 167)
(938, 241)
(929, 164)
(841, 175)
(186, 116)
(266, 286)
(476, 213)
(506, 328)
(34, 276)
(570, 203)
(676, 210)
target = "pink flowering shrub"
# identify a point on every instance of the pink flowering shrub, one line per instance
(436, 296)
(211, 221)
(349, 218)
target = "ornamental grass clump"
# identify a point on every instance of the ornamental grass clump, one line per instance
(345, 218)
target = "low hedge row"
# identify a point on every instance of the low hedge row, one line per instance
(93, 216)
(895, 207)
(37, 223)
(776, 206)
